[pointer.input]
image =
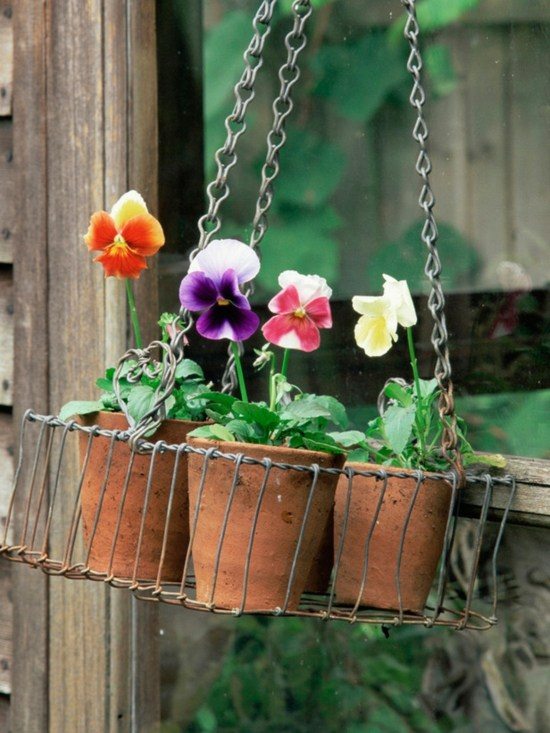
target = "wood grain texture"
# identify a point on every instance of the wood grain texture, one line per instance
(143, 175)
(6, 629)
(6, 464)
(6, 57)
(6, 336)
(30, 591)
(7, 192)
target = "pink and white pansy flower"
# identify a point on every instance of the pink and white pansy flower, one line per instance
(302, 308)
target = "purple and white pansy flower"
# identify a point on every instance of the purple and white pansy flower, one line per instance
(212, 287)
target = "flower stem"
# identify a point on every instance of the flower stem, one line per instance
(414, 366)
(284, 368)
(239, 368)
(133, 314)
(272, 393)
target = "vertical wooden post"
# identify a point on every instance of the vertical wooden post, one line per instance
(85, 133)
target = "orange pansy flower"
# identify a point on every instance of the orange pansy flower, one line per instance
(125, 237)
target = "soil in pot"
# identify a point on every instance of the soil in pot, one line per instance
(277, 531)
(423, 540)
(171, 431)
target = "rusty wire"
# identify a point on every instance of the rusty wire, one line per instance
(47, 456)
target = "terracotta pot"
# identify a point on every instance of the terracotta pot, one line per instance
(171, 431)
(423, 540)
(277, 530)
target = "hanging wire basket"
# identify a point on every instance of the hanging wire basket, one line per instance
(235, 528)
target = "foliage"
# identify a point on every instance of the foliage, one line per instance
(352, 78)
(299, 423)
(408, 433)
(185, 402)
(297, 676)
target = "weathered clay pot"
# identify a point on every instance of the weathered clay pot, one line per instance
(171, 431)
(423, 540)
(277, 530)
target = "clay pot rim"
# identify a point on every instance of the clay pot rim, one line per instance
(392, 470)
(90, 419)
(309, 456)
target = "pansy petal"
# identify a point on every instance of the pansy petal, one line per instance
(129, 205)
(227, 254)
(374, 336)
(309, 287)
(319, 312)
(287, 301)
(120, 261)
(229, 290)
(101, 232)
(197, 292)
(227, 322)
(398, 292)
(291, 332)
(370, 304)
(144, 234)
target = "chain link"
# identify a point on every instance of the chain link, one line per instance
(235, 124)
(429, 235)
(289, 73)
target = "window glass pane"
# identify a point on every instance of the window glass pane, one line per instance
(346, 207)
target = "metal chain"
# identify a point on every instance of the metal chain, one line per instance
(235, 124)
(289, 73)
(436, 300)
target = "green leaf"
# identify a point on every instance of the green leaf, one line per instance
(189, 368)
(223, 60)
(307, 407)
(336, 409)
(490, 459)
(320, 442)
(256, 413)
(324, 162)
(243, 431)
(396, 392)
(348, 438)
(398, 424)
(140, 400)
(221, 433)
(203, 432)
(461, 258)
(105, 384)
(222, 403)
(77, 407)
(427, 387)
(358, 77)
(439, 65)
(433, 14)
(298, 239)
(359, 455)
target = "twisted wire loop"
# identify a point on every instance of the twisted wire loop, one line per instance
(289, 73)
(429, 235)
(138, 363)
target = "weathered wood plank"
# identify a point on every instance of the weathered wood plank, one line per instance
(6, 629)
(7, 192)
(6, 336)
(79, 612)
(29, 708)
(143, 167)
(6, 464)
(531, 505)
(6, 57)
(528, 152)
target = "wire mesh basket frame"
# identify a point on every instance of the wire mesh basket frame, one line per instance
(40, 505)
(35, 535)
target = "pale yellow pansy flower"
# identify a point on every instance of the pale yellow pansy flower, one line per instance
(376, 330)
(397, 291)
